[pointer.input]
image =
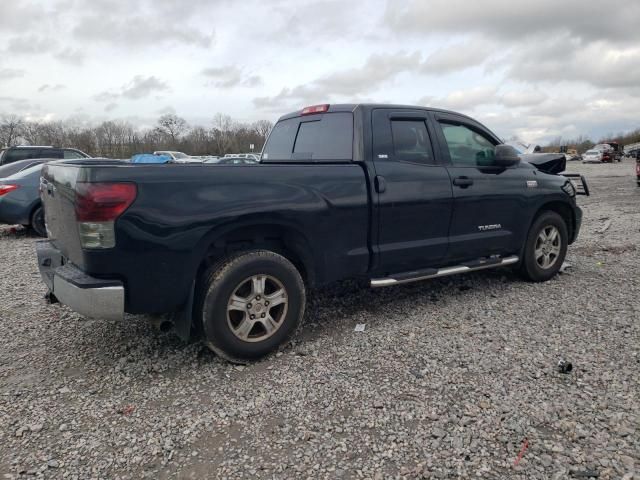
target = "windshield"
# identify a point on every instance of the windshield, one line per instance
(180, 155)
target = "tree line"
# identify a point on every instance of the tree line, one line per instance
(121, 139)
(583, 143)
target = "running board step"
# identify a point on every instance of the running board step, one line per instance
(428, 273)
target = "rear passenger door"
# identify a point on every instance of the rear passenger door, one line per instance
(413, 189)
(488, 200)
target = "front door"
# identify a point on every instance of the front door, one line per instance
(488, 200)
(414, 195)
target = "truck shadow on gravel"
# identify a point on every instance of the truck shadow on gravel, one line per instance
(331, 311)
(329, 308)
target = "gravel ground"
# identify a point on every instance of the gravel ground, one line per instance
(448, 379)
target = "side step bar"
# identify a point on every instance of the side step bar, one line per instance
(428, 273)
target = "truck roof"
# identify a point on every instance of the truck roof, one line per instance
(350, 107)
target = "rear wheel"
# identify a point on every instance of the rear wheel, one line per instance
(37, 222)
(250, 305)
(546, 247)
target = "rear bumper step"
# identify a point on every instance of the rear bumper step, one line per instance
(89, 296)
(429, 273)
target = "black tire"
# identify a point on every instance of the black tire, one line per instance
(227, 278)
(37, 222)
(534, 268)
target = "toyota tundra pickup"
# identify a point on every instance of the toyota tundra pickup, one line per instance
(391, 194)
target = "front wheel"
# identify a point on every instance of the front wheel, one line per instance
(546, 247)
(250, 304)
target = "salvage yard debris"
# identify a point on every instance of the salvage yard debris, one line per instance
(605, 227)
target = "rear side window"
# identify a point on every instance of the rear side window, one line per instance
(411, 141)
(11, 156)
(280, 143)
(319, 138)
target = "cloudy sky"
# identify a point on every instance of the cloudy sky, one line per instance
(532, 69)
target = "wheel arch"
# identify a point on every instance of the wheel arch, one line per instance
(564, 210)
(279, 237)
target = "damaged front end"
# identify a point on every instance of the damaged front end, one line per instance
(555, 164)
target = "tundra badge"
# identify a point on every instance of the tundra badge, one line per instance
(484, 228)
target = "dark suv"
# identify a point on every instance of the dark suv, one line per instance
(13, 154)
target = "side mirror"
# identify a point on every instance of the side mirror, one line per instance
(506, 156)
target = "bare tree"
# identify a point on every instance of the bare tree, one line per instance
(222, 133)
(120, 139)
(262, 128)
(10, 129)
(173, 127)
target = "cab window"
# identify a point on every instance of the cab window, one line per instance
(411, 141)
(467, 147)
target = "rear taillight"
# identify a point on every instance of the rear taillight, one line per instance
(98, 205)
(4, 189)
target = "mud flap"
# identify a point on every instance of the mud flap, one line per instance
(183, 319)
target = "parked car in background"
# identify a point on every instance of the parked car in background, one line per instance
(252, 156)
(178, 157)
(20, 200)
(341, 191)
(608, 153)
(616, 151)
(13, 154)
(592, 156)
(15, 167)
(236, 161)
(630, 148)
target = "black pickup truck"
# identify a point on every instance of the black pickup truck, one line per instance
(389, 193)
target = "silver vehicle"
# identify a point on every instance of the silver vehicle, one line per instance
(178, 157)
(251, 156)
(592, 156)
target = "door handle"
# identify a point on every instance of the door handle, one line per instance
(380, 184)
(462, 182)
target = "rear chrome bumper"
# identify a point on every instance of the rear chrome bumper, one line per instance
(89, 296)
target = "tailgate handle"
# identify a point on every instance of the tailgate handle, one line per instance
(380, 183)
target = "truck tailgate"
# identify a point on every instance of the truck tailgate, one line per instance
(58, 194)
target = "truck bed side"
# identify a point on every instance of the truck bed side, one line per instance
(181, 212)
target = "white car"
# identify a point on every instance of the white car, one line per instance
(592, 156)
(178, 157)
